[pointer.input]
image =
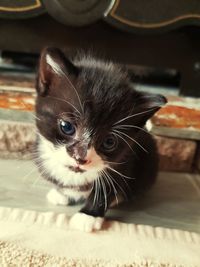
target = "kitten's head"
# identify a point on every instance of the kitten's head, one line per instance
(82, 107)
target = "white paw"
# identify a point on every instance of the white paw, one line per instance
(57, 198)
(86, 223)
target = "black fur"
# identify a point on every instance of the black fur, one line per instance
(107, 97)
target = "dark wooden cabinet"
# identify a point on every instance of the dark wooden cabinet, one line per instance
(130, 31)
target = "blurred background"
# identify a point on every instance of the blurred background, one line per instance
(158, 40)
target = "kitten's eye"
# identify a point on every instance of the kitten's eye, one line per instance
(109, 142)
(67, 128)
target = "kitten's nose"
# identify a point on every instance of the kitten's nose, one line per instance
(81, 161)
(79, 153)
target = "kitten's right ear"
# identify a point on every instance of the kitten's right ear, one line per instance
(53, 64)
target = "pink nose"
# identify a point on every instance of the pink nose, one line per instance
(82, 161)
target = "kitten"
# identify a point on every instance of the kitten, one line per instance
(92, 144)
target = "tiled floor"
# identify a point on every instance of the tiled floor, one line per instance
(173, 202)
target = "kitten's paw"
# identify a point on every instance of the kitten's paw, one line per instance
(56, 198)
(86, 223)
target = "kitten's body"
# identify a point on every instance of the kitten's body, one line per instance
(96, 98)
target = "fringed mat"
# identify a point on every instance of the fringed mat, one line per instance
(29, 238)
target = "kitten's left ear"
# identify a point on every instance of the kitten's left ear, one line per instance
(146, 105)
(53, 64)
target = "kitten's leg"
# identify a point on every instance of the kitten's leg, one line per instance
(74, 196)
(57, 198)
(91, 216)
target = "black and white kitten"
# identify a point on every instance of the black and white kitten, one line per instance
(92, 144)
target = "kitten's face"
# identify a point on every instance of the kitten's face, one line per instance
(85, 112)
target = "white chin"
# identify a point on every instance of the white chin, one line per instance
(55, 159)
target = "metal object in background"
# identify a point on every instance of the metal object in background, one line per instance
(21, 9)
(77, 12)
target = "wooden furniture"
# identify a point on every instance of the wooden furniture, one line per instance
(130, 31)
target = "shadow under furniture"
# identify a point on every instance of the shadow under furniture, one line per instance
(143, 33)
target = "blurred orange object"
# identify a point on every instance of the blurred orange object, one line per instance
(17, 101)
(177, 117)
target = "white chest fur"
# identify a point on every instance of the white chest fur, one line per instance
(55, 162)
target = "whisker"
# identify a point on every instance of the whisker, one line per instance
(59, 142)
(60, 99)
(132, 140)
(106, 181)
(61, 72)
(39, 179)
(134, 115)
(70, 115)
(81, 106)
(99, 189)
(34, 116)
(104, 192)
(119, 173)
(24, 178)
(123, 127)
(116, 163)
(124, 141)
(122, 190)
(113, 186)
(95, 193)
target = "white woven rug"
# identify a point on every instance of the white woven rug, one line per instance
(30, 238)
(35, 233)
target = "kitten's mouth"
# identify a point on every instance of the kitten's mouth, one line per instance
(76, 169)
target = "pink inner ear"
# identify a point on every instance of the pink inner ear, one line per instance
(50, 63)
(54, 65)
(153, 100)
(44, 70)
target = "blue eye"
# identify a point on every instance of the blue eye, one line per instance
(109, 142)
(67, 128)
